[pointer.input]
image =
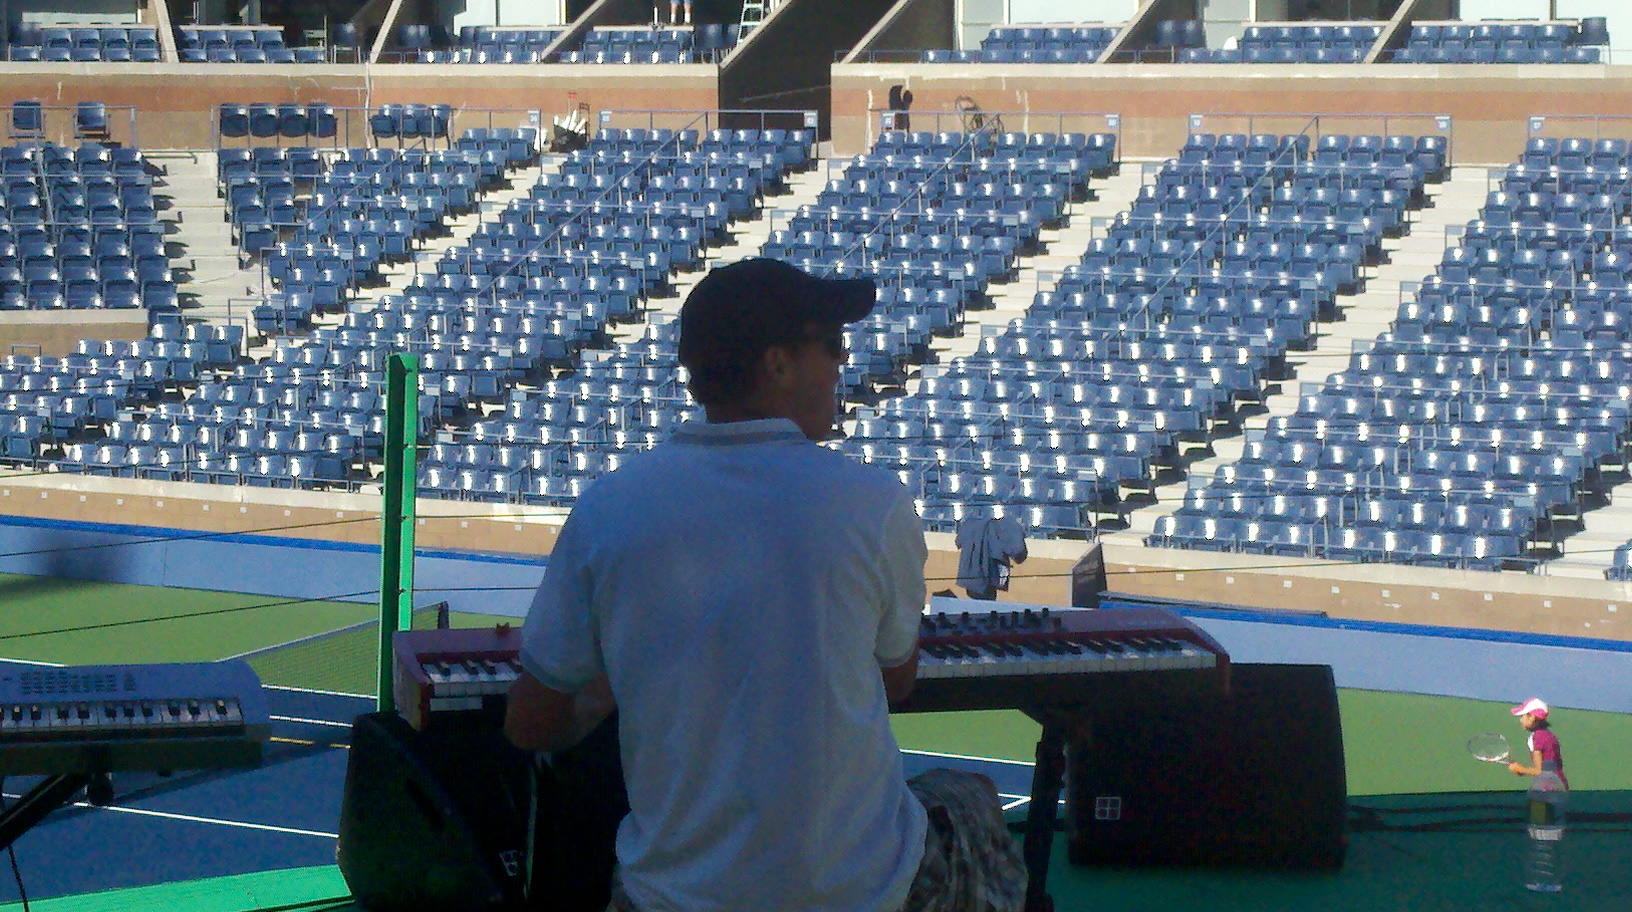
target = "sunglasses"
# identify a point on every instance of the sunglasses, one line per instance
(831, 342)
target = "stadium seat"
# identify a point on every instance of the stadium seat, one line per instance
(91, 120)
(27, 120)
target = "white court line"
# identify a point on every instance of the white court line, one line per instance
(143, 812)
(920, 753)
(1014, 801)
(310, 721)
(313, 690)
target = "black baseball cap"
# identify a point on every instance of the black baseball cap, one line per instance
(738, 311)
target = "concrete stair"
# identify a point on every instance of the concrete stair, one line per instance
(746, 240)
(1061, 247)
(210, 280)
(1590, 551)
(1362, 317)
(398, 276)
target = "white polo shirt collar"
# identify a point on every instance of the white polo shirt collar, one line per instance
(739, 433)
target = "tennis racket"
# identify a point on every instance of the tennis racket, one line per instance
(1489, 747)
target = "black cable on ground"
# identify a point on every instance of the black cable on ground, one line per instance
(331, 902)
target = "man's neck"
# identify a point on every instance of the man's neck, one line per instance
(737, 411)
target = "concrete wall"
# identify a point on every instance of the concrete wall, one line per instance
(1022, 11)
(73, 12)
(975, 18)
(784, 65)
(1573, 672)
(177, 103)
(1368, 592)
(912, 26)
(259, 564)
(456, 14)
(55, 332)
(1155, 101)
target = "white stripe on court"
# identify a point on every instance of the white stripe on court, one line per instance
(919, 753)
(310, 721)
(1013, 801)
(313, 690)
(143, 812)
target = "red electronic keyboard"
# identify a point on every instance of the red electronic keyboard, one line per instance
(1055, 664)
(453, 671)
(1027, 657)
(1040, 658)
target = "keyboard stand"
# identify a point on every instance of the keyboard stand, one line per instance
(1041, 813)
(51, 793)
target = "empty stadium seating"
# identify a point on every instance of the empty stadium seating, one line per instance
(1293, 43)
(288, 121)
(532, 293)
(1033, 44)
(184, 404)
(643, 44)
(1183, 309)
(83, 44)
(1504, 42)
(484, 44)
(202, 44)
(546, 279)
(79, 230)
(937, 217)
(1475, 431)
(364, 207)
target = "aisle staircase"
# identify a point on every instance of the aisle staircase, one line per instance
(212, 280)
(1408, 259)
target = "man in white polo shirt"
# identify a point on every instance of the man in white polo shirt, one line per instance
(748, 600)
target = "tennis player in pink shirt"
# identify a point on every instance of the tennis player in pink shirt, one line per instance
(1545, 752)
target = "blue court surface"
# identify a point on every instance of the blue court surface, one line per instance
(206, 824)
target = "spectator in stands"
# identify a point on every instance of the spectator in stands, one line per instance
(900, 99)
(748, 600)
(674, 11)
(1543, 747)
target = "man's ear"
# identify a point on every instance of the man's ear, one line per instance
(777, 363)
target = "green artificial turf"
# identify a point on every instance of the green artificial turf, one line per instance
(297, 888)
(80, 622)
(1393, 743)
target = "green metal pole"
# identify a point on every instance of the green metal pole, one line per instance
(397, 514)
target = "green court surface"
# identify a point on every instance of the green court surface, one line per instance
(1432, 828)
(80, 622)
(295, 643)
(1392, 743)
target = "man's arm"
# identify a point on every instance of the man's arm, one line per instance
(540, 718)
(903, 552)
(898, 679)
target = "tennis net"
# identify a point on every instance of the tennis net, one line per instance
(343, 660)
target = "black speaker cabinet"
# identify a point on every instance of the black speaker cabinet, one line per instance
(435, 819)
(1255, 778)
(455, 818)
